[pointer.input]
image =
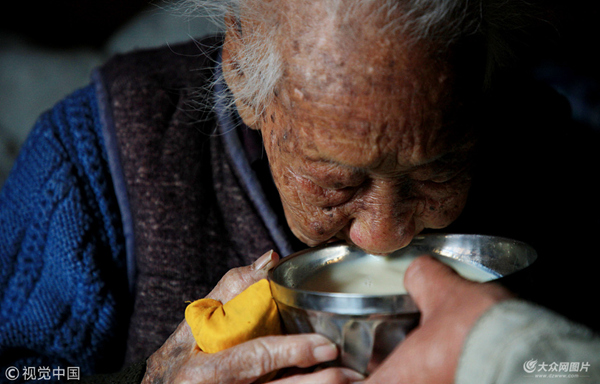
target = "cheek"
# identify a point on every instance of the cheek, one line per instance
(280, 145)
(311, 223)
(443, 204)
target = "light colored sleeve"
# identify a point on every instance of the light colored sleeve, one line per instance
(519, 342)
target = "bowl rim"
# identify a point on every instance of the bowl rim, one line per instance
(368, 304)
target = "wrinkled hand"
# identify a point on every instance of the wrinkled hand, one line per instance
(450, 306)
(180, 360)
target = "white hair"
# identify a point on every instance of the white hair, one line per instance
(440, 22)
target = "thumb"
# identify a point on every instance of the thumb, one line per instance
(428, 280)
(238, 279)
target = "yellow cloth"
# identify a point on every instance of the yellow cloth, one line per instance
(252, 313)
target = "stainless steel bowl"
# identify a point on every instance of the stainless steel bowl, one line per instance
(367, 328)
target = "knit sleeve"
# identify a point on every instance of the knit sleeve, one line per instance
(63, 286)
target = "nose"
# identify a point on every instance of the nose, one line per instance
(386, 222)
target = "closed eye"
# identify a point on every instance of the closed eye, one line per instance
(324, 197)
(444, 178)
(438, 176)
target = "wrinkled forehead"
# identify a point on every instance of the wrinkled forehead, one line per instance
(333, 49)
(358, 93)
(370, 141)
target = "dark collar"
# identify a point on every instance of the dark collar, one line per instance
(246, 150)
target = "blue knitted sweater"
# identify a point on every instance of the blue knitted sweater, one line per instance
(62, 275)
(77, 288)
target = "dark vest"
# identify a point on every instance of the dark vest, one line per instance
(192, 220)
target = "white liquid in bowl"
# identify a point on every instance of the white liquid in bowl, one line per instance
(377, 275)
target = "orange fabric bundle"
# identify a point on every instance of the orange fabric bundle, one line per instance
(216, 326)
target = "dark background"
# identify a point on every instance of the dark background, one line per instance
(68, 23)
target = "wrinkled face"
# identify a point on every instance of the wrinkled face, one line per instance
(365, 144)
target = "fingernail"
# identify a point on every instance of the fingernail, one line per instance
(264, 261)
(325, 352)
(353, 376)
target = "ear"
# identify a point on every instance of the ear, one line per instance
(232, 71)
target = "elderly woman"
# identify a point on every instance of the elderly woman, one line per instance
(366, 121)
